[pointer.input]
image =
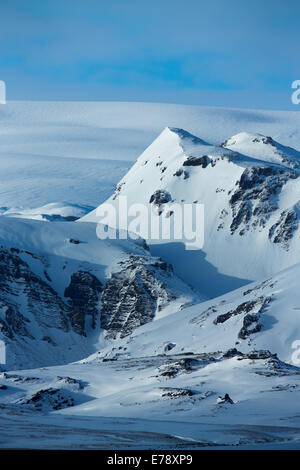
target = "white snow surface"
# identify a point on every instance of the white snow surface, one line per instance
(55, 211)
(160, 386)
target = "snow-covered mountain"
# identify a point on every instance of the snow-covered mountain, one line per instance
(251, 204)
(263, 148)
(63, 289)
(219, 373)
(105, 345)
(262, 315)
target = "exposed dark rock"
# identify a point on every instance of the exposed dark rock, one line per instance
(185, 365)
(50, 398)
(74, 241)
(160, 197)
(232, 353)
(283, 230)
(256, 196)
(131, 297)
(203, 161)
(177, 392)
(31, 309)
(110, 359)
(20, 378)
(273, 365)
(119, 187)
(263, 285)
(17, 279)
(59, 218)
(169, 347)
(15, 322)
(182, 172)
(15, 250)
(47, 276)
(225, 399)
(259, 354)
(258, 304)
(250, 325)
(84, 291)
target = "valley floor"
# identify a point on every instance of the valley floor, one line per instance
(23, 431)
(144, 405)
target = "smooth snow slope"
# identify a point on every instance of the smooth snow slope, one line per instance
(28, 181)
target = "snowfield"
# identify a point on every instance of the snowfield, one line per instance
(134, 344)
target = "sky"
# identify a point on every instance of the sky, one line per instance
(214, 52)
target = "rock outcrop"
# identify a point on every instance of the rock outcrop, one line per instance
(25, 297)
(132, 296)
(255, 198)
(84, 294)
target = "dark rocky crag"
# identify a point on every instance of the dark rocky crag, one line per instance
(42, 303)
(132, 296)
(255, 198)
(31, 309)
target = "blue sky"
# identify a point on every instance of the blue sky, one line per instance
(213, 52)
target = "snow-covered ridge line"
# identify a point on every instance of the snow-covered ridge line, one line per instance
(251, 203)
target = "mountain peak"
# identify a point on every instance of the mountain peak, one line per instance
(263, 148)
(185, 135)
(250, 138)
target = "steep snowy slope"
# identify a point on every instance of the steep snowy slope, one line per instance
(61, 287)
(251, 206)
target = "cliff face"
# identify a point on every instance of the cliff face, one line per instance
(56, 300)
(84, 293)
(132, 296)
